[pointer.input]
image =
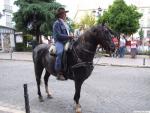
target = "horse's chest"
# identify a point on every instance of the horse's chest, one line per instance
(83, 72)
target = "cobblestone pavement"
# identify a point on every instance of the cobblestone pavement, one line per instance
(108, 90)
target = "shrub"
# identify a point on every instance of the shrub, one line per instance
(20, 47)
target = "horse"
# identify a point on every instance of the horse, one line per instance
(79, 59)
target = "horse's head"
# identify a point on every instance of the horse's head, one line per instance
(103, 37)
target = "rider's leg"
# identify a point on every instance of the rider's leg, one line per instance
(58, 65)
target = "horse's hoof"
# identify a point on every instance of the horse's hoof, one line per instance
(41, 99)
(78, 110)
(49, 96)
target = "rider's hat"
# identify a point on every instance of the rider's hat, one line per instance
(61, 11)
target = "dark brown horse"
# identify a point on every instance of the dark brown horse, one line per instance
(79, 59)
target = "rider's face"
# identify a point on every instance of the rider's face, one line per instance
(63, 16)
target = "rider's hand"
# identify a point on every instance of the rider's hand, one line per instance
(71, 37)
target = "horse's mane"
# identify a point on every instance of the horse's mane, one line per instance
(86, 35)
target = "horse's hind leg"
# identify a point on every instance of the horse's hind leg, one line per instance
(38, 74)
(47, 74)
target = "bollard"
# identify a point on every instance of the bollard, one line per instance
(27, 107)
(143, 61)
(11, 50)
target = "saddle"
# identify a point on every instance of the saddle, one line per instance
(67, 48)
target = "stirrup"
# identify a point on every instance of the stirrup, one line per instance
(60, 77)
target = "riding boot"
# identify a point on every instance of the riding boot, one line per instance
(60, 76)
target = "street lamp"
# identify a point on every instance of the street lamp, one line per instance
(97, 12)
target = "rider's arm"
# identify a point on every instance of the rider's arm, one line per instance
(60, 32)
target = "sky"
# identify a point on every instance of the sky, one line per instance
(73, 5)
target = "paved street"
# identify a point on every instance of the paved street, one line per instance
(109, 89)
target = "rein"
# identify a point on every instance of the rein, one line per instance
(86, 50)
(80, 63)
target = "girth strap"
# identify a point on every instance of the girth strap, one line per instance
(83, 64)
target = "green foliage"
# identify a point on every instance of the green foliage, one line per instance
(71, 24)
(23, 46)
(121, 17)
(35, 17)
(27, 37)
(19, 46)
(141, 33)
(88, 20)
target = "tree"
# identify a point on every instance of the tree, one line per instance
(141, 34)
(121, 17)
(88, 20)
(35, 17)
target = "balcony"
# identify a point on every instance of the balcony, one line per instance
(8, 8)
(9, 24)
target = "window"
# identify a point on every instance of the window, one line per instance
(148, 22)
(7, 2)
(149, 11)
(8, 21)
(148, 33)
(142, 23)
(8, 18)
(142, 10)
(0, 43)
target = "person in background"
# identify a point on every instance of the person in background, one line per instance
(122, 46)
(79, 31)
(61, 34)
(133, 48)
(116, 42)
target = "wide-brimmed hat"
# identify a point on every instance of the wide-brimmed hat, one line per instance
(61, 11)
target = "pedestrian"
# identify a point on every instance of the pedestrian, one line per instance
(122, 46)
(79, 31)
(116, 42)
(133, 48)
(61, 34)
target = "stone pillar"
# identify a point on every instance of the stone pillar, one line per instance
(6, 42)
(2, 41)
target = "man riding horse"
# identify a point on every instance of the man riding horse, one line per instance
(84, 48)
(61, 34)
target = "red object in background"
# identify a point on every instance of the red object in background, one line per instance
(115, 40)
(128, 43)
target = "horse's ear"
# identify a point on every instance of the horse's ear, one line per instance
(103, 23)
(94, 30)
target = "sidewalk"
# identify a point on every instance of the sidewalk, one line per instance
(140, 61)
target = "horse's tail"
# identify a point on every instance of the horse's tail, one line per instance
(39, 52)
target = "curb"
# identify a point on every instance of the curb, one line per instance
(117, 65)
(17, 60)
(101, 64)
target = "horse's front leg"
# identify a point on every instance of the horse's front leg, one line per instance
(78, 85)
(47, 74)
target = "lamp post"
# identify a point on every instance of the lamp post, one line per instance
(97, 12)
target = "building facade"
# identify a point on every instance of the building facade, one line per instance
(6, 26)
(145, 20)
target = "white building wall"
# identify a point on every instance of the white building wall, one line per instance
(4, 20)
(6, 9)
(12, 42)
(145, 20)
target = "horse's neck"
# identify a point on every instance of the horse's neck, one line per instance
(85, 50)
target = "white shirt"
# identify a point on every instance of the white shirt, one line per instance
(66, 25)
(133, 44)
(122, 42)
